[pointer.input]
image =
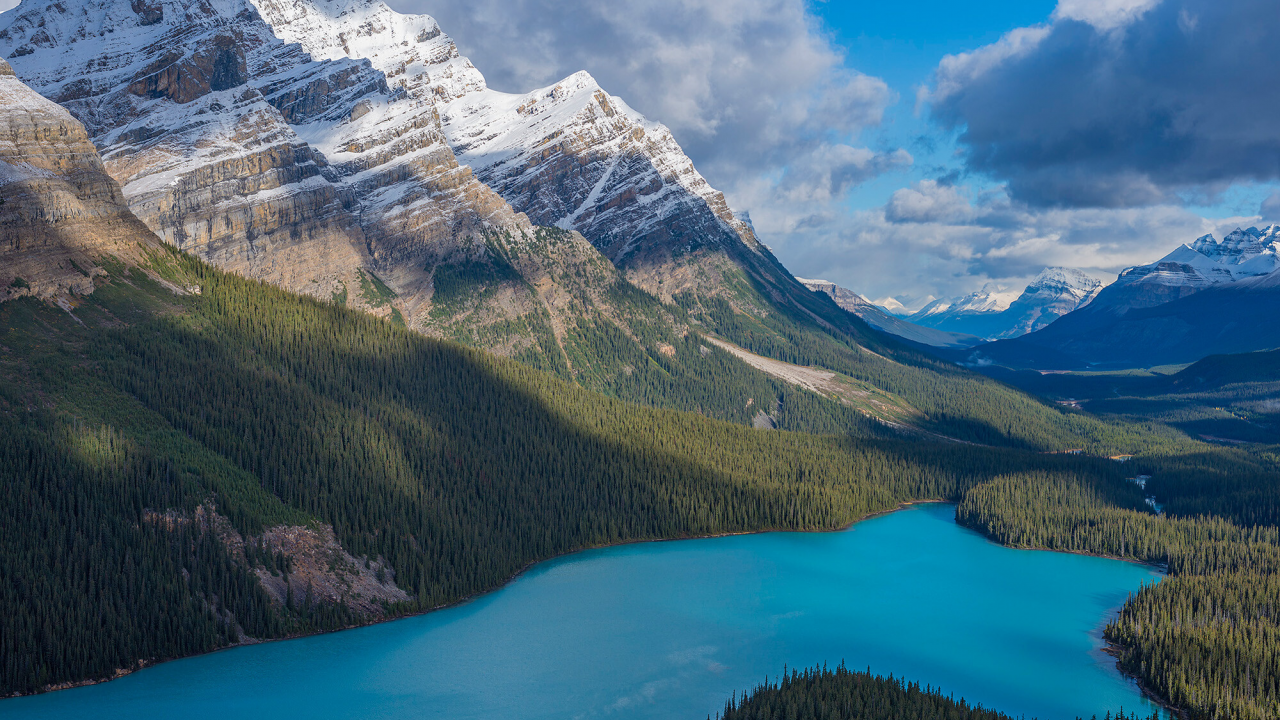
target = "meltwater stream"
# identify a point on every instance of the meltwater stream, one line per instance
(671, 629)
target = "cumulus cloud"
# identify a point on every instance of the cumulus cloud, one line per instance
(942, 240)
(748, 87)
(928, 201)
(1103, 14)
(1121, 103)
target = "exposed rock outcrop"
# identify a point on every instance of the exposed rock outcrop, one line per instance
(322, 571)
(61, 214)
(298, 566)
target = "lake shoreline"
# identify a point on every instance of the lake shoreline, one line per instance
(144, 664)
(1147, 691)
(1109, 647)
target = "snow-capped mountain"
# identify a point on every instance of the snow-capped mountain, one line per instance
(1053, 293)
(568, 155)
(992, 298)
(880, 319)
(994, 313)
(893, 306)
(1190, 268)
(310, 142)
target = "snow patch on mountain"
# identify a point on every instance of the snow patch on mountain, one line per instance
(1241, 254)
(992, 298)
(568, 155)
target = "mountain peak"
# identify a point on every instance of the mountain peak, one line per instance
(1239, 246)
(1064, 280)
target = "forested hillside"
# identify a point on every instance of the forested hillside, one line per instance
(130, 420)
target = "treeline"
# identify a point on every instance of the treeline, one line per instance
(457, 467)
(842, 694)
(1207, 638)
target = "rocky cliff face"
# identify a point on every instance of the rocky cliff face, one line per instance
(61, 214)
(569, 155)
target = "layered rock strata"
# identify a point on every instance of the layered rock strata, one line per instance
(61, 214)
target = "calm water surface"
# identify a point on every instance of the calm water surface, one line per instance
(670, 630)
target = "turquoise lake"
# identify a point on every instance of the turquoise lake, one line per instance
(671, 629)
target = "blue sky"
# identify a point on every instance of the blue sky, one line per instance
(901, 43)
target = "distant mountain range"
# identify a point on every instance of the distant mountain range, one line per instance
(880, 319)
(986, 314)
(991, 313)
(1204, 298)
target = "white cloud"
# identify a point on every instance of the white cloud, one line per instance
(928, 201)
(1103, 14)
(827, 172)
(956, 71)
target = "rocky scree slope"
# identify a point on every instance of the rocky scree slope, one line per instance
(61, 215)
